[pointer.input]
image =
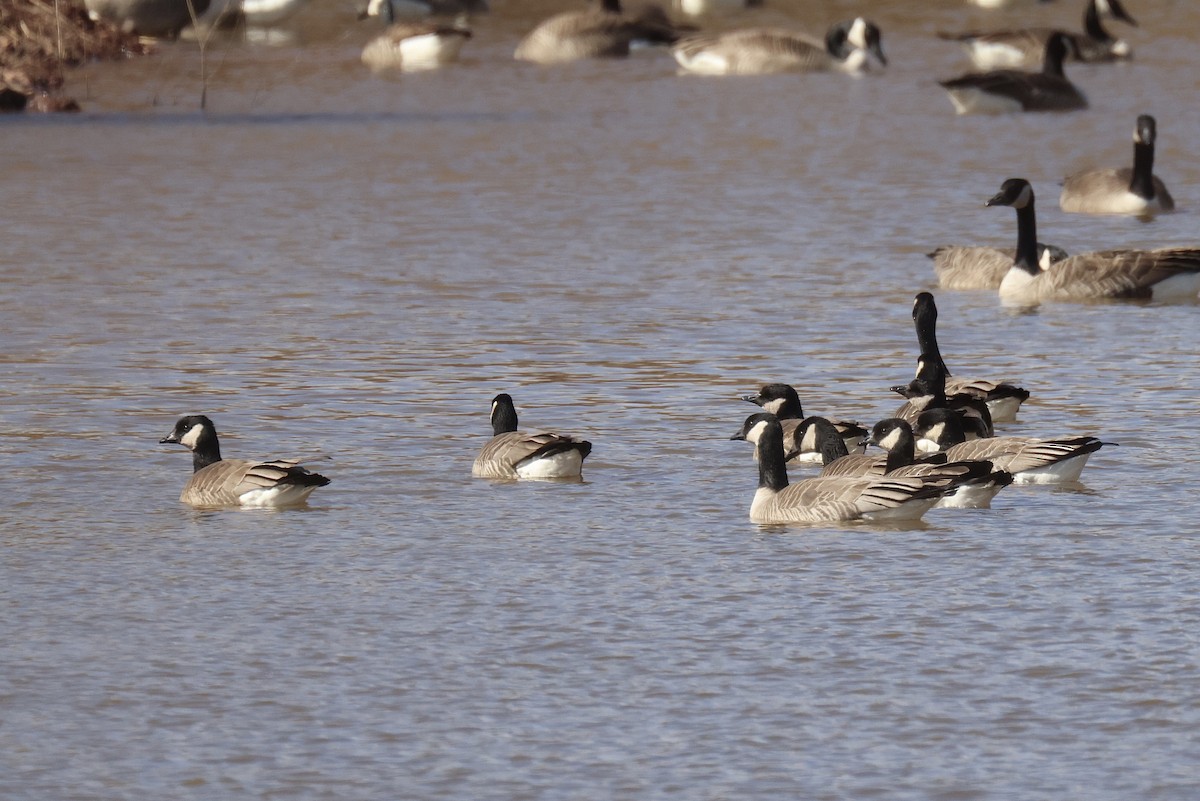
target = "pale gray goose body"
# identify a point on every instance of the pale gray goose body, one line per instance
(1121, 190)
(604, 32)
(852, 46)
(217, 482)
(512, 454)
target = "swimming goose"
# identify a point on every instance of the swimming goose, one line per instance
(821, 500)
(415, 46)
(237, 482)
(1162, 274)
(604, 32)
(1002, 91)
(852, 46)
(518, 454)
(1003, 398)
(1024, 48)
(1031, 460)
(1121, 190)
(981, 267)
(977, 481)
(782, 401)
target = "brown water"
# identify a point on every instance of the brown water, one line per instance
(332, 262)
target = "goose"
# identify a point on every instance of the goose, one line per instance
(852, 46)
(782, 401)
(1002, 91)
(237, 482)
(1024, 48)
(827, 500)
(978, 481)
(1003, 398)
(518, 454)
(604, 32)
(1030, 460)
(392, 10)
(982, 267)
(1121, 190)
(928, 391)
(696, 8)
(415, 46)
(1164, 274)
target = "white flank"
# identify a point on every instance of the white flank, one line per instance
(995, 55)
(564, 464)
(1066, 470)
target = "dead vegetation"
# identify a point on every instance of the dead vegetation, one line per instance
(40, 39)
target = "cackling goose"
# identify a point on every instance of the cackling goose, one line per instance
(821, 500)
(604, 32)
(1002, 91)
(852, 46)
(518, 454)
(782, 401)
(237, 482)
(978, 481)
(1031, 460)
(1121, 190)
(928, 391)
(1162, 274)
(1025, 47)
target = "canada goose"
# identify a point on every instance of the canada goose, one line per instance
(237, 482)
(146, 17)
(850, 46)
(415, 46)
(1031, 460)
(1002, 91)
(820, 500)
(604, 32)
(1003, 398)
(782, 401)
(518, 454)
(1162, 274)
(391, 10)
(1121, 190)
(977, 481)
(1024, 48)
(981, 267)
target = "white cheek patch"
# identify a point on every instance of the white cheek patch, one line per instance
(773, 406)
(858, 34)
(192, 436)
(891, 440)
(755, 431)
(935, 432)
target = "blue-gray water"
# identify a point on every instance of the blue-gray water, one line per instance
(329, 262)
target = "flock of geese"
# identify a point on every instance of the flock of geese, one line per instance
(941, 449)
(940, 446)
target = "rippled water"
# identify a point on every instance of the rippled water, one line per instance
(329, 262)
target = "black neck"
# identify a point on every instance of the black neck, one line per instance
(829, 441)
(207, 450)
(1027, 252)
(772, 466)
(1052, 63)
(611, 6)
(1091, 24)
(925, 319)
(904, 452)
(790, 409)
(504, 419)
(1142, 183)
